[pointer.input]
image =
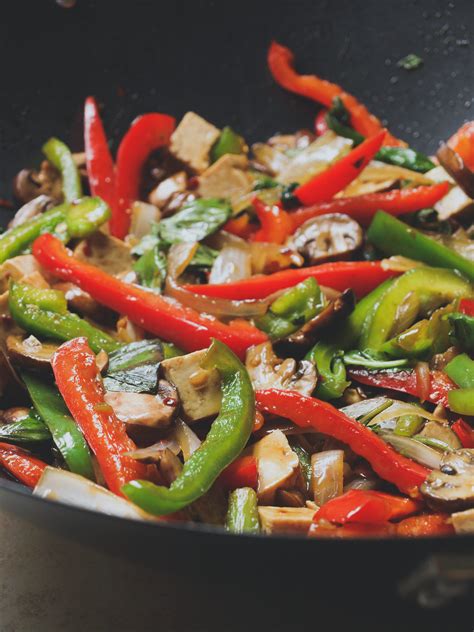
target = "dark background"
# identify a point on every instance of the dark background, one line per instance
(137, 56)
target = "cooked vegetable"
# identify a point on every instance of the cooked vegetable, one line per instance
(285, 519)
(142, 409)
(463, 326)
(24, 467)
(329, 363)
(277, 465)
(228, 435)
(462, 401)
(327, 475)
(99, 163)
(28, 429)
(242, 515)
(59, 155)
(228, 143)
(29, 352)
(452, 485)
(461, 370)
(454, 165)
(275, 224)
(195, 221)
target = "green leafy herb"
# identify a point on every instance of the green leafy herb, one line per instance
(372, 360)
(463, 331)
(30, 429)
(264, 182)
(151, 268)
(410, 62)
(204, 257)
(195, 221)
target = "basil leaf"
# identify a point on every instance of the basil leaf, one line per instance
(204, 257)
(372, 360)
(195, 221)
(151, 268)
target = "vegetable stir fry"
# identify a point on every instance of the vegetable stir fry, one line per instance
(274, 339)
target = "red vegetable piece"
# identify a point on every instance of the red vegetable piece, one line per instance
(99, 163)
(320, 124)
(432, 524)
(276, 224)
(24, 467)
(464, 432)
(242, 472)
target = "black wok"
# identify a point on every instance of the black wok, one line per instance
(141, 55)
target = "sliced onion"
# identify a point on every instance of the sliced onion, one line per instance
(377, 171)
(188, 440)
(398, 263)
(412, 449)
(327, 475)
(423, 380)
(179, 257)
(153, 453)
(72, 489)
(233, 263)
(399, 408)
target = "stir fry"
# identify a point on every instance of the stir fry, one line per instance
(270, 339)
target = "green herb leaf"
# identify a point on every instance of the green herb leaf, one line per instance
(372, 360)
(410, 62)
(30, 429)
(151, 268)
(196, 220)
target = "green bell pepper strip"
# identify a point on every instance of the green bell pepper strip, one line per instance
(463, 330)
(393, 237)
(408, 425)
(30, 429)
(32, 314)
(427, 288)
(462, 401)
(85, 217)
(292, 310)
(242, 514)
(461, 371)
(228, 143)
(60, 156)
(226, 439)
(332, 380)
(66, 435)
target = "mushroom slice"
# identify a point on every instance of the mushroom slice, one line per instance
(29, 352)
(452, 486)
(192, 141)
(327, 237)
(278, 466)
(285, 519)
(29, 210)
(108, 253)
(142, 409)
(268, 371)
(454, 165)
(463, 521)
(29, 184)
(199, 389)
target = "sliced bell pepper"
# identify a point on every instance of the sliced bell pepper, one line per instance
(148, 133)
(308, 412)
(60, 156)
(466, 306)
(361, 276)
(180, 325)
(275, 223)
(394, 237)
(464, 432)
(405, 381)
(24, 467)
(240, 226)
(331, 369)
(362, 208)
(351, 530)
(243, 472)
(461, 400)
(280, 62)
(242, 515)
(431, 524)
(461, 370)
(320, 124)
(99, 162)
(226, 439)
(367, 507)
(463, 143)
(463, 331)
(78, 379)
(335, 178)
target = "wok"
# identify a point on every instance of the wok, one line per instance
(209, 56)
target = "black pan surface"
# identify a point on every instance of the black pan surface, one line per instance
(210, 56)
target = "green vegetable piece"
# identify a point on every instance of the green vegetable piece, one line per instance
(151, 268)
(264, 182)
(60, 156)
(85, 217)
(339, 120)
(204, 257)
(304, 459)
(171, 351)
(228, 143)
(225, 441)
(461, 371)
(463, 326)
(462, 401)
(66, 435)
(410, 62)
(292, 310)
(414, 293)
(135, 354)
(195, 221)
(332, 379)
(29, 429)
(30, 314)
(405, 157)
(242, 515)
(372, 360)
(52, 300)
(408, 425)
(14, 241)
(393, 237)
(134, 367)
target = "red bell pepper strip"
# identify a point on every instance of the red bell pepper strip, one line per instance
(243, 472)
(173, 322)
(240, 226)
(351, 530)
(406, 381)
(367, 507)
(280, 61)
(320, 123)
(361, 276)
(324, 186)
(466, 306)
(309, 412)
(276, 224)
(463, 144)
(431, 524)
(362, 208)
(147, 133)
(24, 467)
(100, 166)
(79, 382)
(464, 432)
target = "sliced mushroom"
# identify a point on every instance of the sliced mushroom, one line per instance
(278, 465)
(441, 432)
(452, 486)
(192, 141)
(285, 519)
(29, 184)
(454, 165)
(268, 371)
(108, 253)
(463, 521)
(327, 237)
(31, 209)
(167, 189)
(29, 352)
(16, 269)
(227, 178)
(142, 409)
(198, 388)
